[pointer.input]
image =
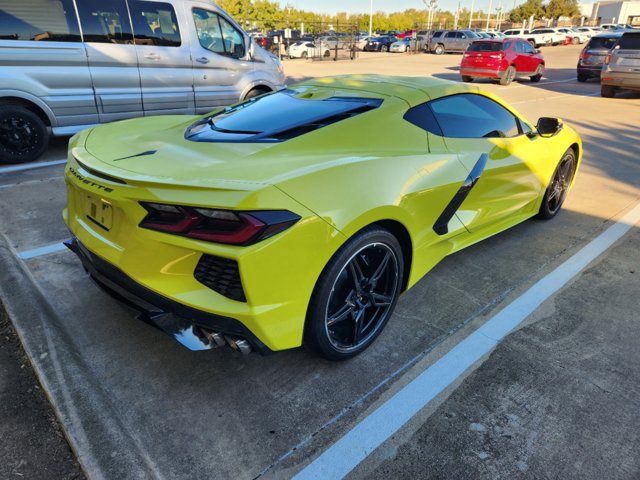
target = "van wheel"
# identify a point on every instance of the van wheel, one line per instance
(23, 135)
(255, 92)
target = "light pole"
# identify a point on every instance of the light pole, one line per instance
(370, 18)
(431, 5)
(498, 18)
(471, 14)
(489, 14)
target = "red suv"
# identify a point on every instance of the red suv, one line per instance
(503, 59)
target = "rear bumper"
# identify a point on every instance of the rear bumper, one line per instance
(629, 80)
(481, 72)
(590, 71)
(186, 324)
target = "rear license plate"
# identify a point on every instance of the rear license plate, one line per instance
(99, 211)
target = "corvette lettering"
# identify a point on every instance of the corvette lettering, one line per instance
(89, 182)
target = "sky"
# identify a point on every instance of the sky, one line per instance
(362, 6)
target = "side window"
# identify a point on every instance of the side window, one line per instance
(450, 35)
(473, 116)
(527, 48)
(519, 48)
(41, 21)
(506, 46)
(460, 35)
(422, 117)
(217, 34)
(105, 22)
(437, 34)
(154, 23)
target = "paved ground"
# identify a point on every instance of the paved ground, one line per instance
(558, 398)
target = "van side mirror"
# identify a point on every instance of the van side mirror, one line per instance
(251, 48)
(548, 126)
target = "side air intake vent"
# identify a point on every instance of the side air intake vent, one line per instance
(220, 275)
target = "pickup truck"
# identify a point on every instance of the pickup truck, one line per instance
(535, 39)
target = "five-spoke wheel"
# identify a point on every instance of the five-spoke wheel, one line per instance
(355, 295)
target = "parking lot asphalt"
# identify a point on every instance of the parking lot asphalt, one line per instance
(557, 398)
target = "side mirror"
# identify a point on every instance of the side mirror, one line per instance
(548, 126)
(251, 48)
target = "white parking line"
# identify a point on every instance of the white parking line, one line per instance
(31, 166)
(345, 454)
(46, 250)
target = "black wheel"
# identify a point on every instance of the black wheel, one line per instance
(385, 48)
(327, 54)
(439, 50)
(557, 190)
(254, 92)
(533, 43)
(607, 91)
(304, 55)
(538, 75)
(355, 295)
(467, 78)
(582, 77)
(23, 135)
(508, 76)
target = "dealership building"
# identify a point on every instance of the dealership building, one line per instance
(616, 12)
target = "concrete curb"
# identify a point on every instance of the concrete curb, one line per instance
(103, 444)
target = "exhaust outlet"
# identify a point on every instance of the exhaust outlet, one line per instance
(239, 344)
(216, 339)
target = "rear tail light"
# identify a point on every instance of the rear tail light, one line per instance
(584, 55)
(213, 225)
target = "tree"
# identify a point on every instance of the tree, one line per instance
(527, 9)
(561, 8)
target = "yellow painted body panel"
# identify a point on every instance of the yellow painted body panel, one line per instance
(339, 179)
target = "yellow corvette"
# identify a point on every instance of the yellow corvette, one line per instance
(300, 216)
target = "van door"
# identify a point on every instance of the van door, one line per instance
(164, 59)
(113, 64)
(220, 60)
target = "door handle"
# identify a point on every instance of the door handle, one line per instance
(202, 60)
(152, 56)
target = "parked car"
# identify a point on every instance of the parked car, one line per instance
(237, 241)
(444, 41)
(552, 34)
(332, 41)
(309, 50)
(379, 44)
(621, 69)
(362, 41)
(575, 37)
(401, 46)
(116, 60)
(503, 60)
(535, 39)
(594, 53)
(588, 31)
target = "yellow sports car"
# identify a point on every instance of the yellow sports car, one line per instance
(300, 216)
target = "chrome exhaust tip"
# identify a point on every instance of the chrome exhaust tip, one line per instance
(239, 344)
(216, 339)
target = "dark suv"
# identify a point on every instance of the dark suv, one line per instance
(621, 69)
(379, 44)
(593, 54)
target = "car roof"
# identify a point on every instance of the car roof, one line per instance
(413, 90)
(609, 34)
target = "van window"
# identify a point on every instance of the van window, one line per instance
(105, 22)
(39, 20)
(154, 23)
(217, 34)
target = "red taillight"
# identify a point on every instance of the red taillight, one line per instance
(263, 42)
(584, 55)
(213, 225)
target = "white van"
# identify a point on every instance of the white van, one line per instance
(66, 65)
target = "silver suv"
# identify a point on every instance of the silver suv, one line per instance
(443, 41)
(621, 69)
(71, 64)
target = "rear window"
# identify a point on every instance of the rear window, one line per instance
(485, 47)
(630, 41)
(276, 117)
(602, 43)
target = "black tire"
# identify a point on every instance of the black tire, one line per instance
(385, 48)
(467, 78)
(255, 92)
(304, 55)
(533, 43)
(538, 75)
(582, 77)
(439, 50)
(556, 192)
(23, 135)
(327, 54)
(343, 318)
(607, 91)
(508, 76)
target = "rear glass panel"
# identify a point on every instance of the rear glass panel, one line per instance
(602, 43)
(630, 41)
(266, 118)
(485, 47)
(39, 20)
